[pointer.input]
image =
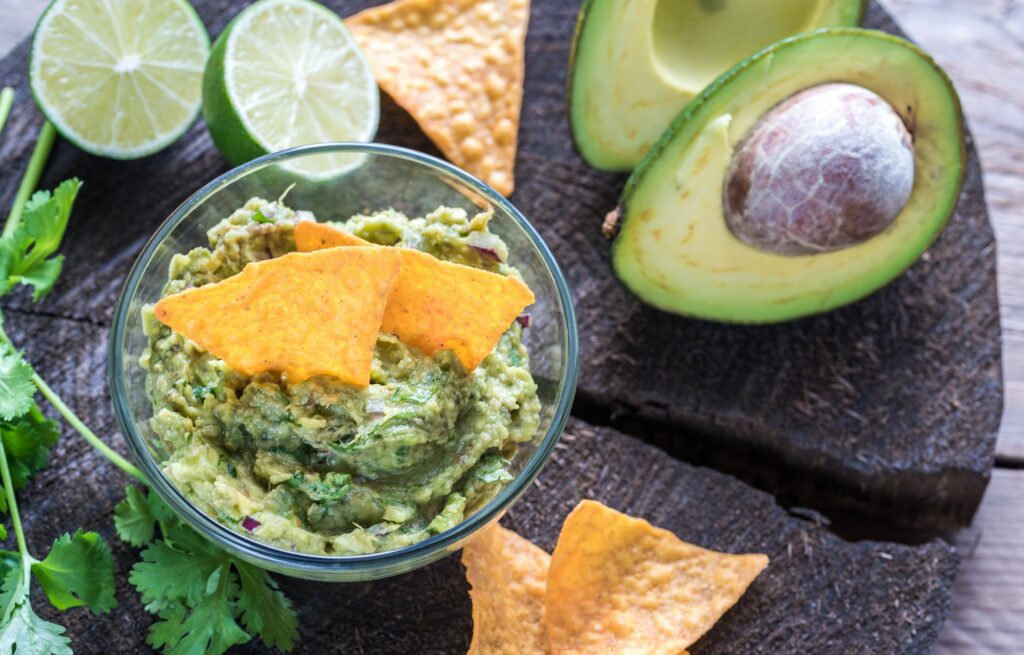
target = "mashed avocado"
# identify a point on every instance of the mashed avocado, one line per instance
(321, 467)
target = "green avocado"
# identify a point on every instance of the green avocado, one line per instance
(636, 63)
(674, 246)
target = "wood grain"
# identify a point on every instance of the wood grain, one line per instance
(17, 18)
(806, 601)
(887, 407)
(988, 596)
(981, 45)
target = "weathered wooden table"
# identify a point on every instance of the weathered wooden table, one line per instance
(981, 44)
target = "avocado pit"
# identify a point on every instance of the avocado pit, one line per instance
(828, 168)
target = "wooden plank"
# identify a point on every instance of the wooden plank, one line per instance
(981, 45)
(806, 601)
(969, 630)
(17, 20)
(836, 398)
(988, 596)
(889, 406)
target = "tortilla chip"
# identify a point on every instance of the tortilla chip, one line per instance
(300, 315)
(310, 236)
(507, 574)
(457, 67)
(618, 584)
(438, 305)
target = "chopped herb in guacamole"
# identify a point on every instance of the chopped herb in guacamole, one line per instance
(322, 467)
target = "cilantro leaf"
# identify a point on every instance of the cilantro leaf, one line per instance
(25, 255)
(22, 632)
(9, 559)
(201, 594)
(11, 590)
(265, 610)
(9, 257)
(27, 440)
(182, 537)
(200, 391)
(17, 390)
(27, 634)
(259, 217)
(209, 627)
(162, 513)
(45, 216)
(133, 518)
(168, 573)
(79, 570)
(141, 512)
(168, 629)
(42, 275)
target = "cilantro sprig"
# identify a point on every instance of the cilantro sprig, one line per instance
(16, 386)
(78, 569)
(27, 255)
(206, 600)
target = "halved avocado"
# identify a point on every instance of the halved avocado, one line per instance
(673, 247)
(636, 63)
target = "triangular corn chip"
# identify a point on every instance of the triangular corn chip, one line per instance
(617, 584)
(300, 315)
(457, 67)
(507, 574)
(438, 305)
(310, 236)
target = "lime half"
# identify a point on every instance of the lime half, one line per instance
(287, 73)
(119, 78)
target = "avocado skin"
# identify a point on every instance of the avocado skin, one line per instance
(721, 85)
(574, 53)
(858, 10)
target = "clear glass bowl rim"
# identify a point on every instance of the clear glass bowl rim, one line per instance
(280, 559)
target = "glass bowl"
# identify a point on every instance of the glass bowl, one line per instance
(378, 177)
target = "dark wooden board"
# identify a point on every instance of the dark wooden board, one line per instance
(820, 594)
(888, 407)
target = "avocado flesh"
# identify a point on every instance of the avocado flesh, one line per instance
(674, 249)
(636, 63)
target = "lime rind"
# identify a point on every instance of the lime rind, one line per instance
(317, 88)
(81, 41)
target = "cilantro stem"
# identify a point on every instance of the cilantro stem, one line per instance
(6, 100)
(30, 179)
(12, 508)
(87, 434)
(76, 423)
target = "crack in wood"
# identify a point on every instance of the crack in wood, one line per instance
(43, 313)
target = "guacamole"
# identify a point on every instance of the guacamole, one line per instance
(322, 467)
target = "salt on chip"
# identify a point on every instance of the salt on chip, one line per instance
(301, 315)
(438, 305)
(507, 577)
(457, 67)
(618, 584)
